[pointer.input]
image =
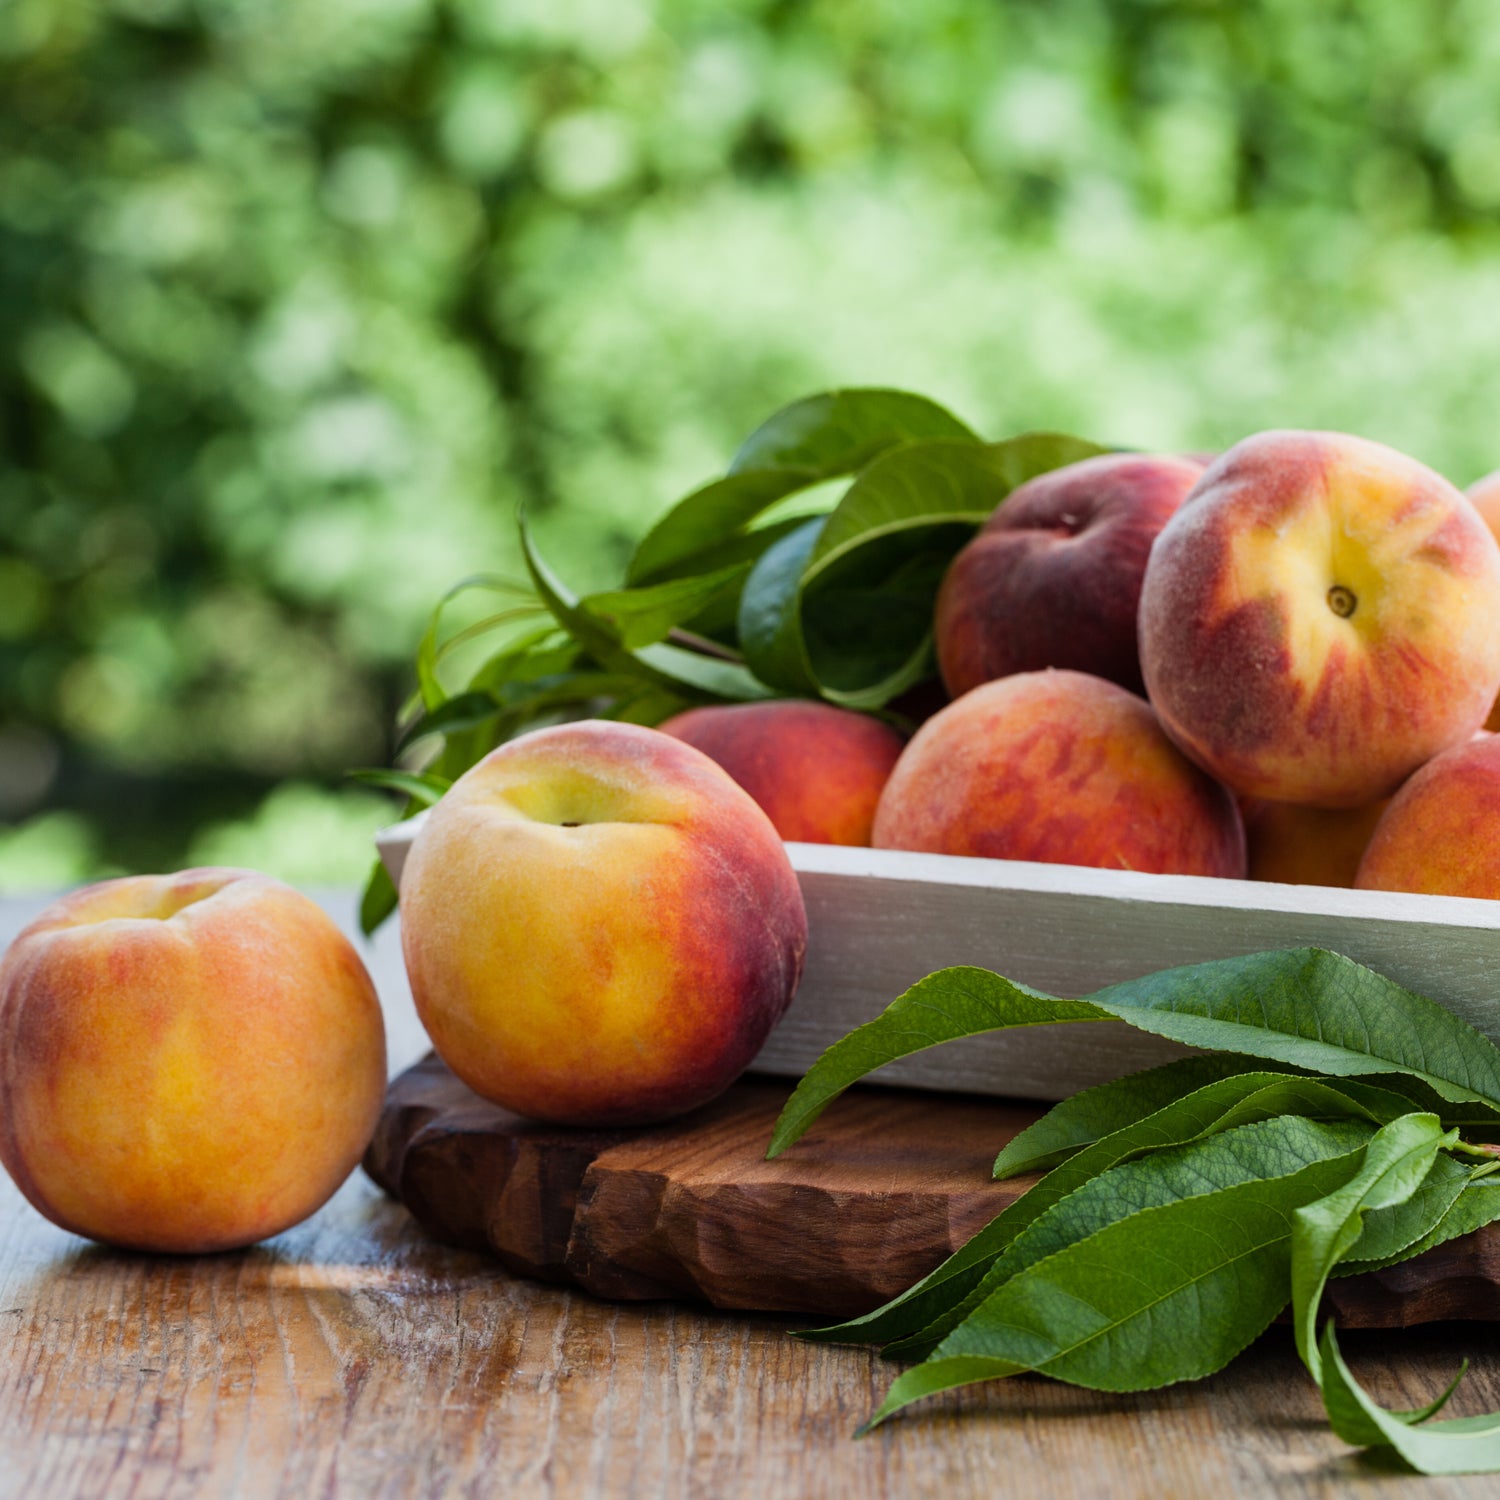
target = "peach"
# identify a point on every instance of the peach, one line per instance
(1298, 845)
(1484, 495)
(600, 927)
(1441, 833)
(1062, 768)
(188, 1062)
(1053, 579)
(815, 770)
(1320, 618)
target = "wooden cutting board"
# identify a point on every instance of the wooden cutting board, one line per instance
(882, 1188)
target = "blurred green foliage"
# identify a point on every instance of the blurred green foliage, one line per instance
(299, 298)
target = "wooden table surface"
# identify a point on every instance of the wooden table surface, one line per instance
(351, 1357)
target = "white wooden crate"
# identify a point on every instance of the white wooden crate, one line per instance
(881, 919)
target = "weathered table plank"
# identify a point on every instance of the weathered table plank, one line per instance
(352, 1357)
(885, 1186)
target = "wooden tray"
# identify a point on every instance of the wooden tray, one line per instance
(879, 920)
(882, 1189)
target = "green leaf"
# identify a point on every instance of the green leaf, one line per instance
(661, 664)
(546, 651)
(867, 621)
(466, 711)
(1476, 1204)
(1094, 1113)
(425, 789)
(934, 482)
(858, 635)
(428, 649)
(1397, 1161)
(839, 431)
(718, 620)
(1226, 1105)
(649, 706)
(673, 666)
(1397, 1233)
(1474, 1117)
(1315, 1010)
(813, 440)
(687, 541)
(949, 1004)
(1166, 1292)
(487, 626)
(1242, 1137)
(520, 705)
(1460, 1445)
(641, 616)
(769, 632)
(378, 900)
(1305, 1008)
(842, 608)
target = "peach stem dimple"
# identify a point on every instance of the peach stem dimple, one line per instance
(1341, 601)
(169, 903)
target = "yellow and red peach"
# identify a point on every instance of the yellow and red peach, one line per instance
(600, 927)
(187, 1063)
(1441, 832)
(1053, 579)
(1320, 618)
(1061, 768)
(1484, 495)
(815, 770)
(1298, 845)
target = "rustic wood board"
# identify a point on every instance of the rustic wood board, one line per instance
(880, 919)
(883, 1187)
(354, 1358)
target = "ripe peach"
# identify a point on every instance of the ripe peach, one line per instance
(1441, 832)
(188, 1062)
(815, 770)
(1484, 494)
(1320, 618)
(1063, 768)
(1053, 579)
(600, 927)
(1298, 845)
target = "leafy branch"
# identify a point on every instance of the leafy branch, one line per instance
(729, 597)
(1339, 1123)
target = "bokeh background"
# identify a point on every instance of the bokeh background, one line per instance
(300, 298)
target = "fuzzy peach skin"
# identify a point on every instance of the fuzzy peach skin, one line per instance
(1485, 495)
(815, 770)
(1320, 618)
(1062, 768)
(1297, 845)
(188, 1062)
(1053, 579)
(600, 927)
(1441, 833)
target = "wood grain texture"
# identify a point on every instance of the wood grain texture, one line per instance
(353, 1357)
(881, 919)
(892, 1183)
(480, 1177)
(885, 1186)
